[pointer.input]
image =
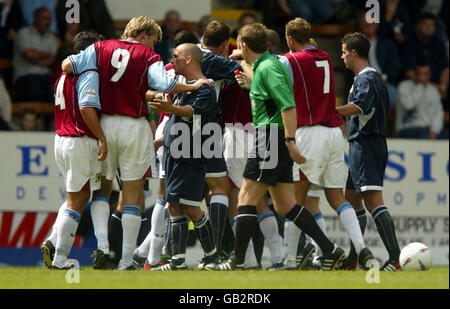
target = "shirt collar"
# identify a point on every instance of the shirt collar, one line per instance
(260, 59)
(366, 69)
(130, 40)
(309, 47)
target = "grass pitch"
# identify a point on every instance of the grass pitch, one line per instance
(41, 278)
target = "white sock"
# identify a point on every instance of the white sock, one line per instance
(157, 233)
(143, 249)
(321, 223)
(53, 235)
(131, 223)
(348, 218)
(100, 217)
(291, 237)
(154, 255)
(67, 228)
(250, 257)
(269, 228)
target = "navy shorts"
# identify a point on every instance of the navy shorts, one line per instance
(259, 165)
(216, 167)
(367, 161)
(184, 180)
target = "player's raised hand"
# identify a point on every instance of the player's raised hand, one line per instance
(242, 79)
(164, 104)
(102, 149)
(295, 154)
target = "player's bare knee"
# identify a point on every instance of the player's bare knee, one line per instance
(194, 213)
(175, 209)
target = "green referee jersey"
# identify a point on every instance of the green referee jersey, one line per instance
(271, 92)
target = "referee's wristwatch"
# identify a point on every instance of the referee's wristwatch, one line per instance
(289, 139)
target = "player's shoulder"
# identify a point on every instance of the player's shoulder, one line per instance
(208, 88)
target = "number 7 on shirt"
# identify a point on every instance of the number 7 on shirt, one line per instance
(326, 83)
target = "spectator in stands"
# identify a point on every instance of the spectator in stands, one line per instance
(94, 15)
(34, 55)
(419, 109)
(383, 57)
(171, 26)
(245, 19)
(314, 11)
(11, 21)
(28, 121)
(395, 21)
(29, 7)
(202, 24)
(438, 7)
(425, 45)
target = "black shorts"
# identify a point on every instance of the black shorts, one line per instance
(184, 180)
(216, 167)
(269, 163)
(367, 159)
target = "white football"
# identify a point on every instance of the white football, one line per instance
(415, 256)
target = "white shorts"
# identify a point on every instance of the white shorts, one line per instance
(76, 158)
(323, 148)
(130, 148)
(316, 192)
(237, 145)
(159, 132)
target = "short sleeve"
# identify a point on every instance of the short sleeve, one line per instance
(85, 60)
(158, 79)
(287, 65)
(362, 97)
(279, 86)
(87, 89)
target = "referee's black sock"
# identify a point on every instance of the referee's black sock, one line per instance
(115, 233)
(258, 243)
(386, 229)
(245, 228)
(305, 221)
(280, 220)
(362, 219)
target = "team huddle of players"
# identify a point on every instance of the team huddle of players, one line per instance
(285, 106)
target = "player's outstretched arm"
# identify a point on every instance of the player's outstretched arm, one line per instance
(348, 110)
(167, 106)
(183, 87)
(90, 117)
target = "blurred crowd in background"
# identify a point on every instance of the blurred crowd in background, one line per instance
(409, 48)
